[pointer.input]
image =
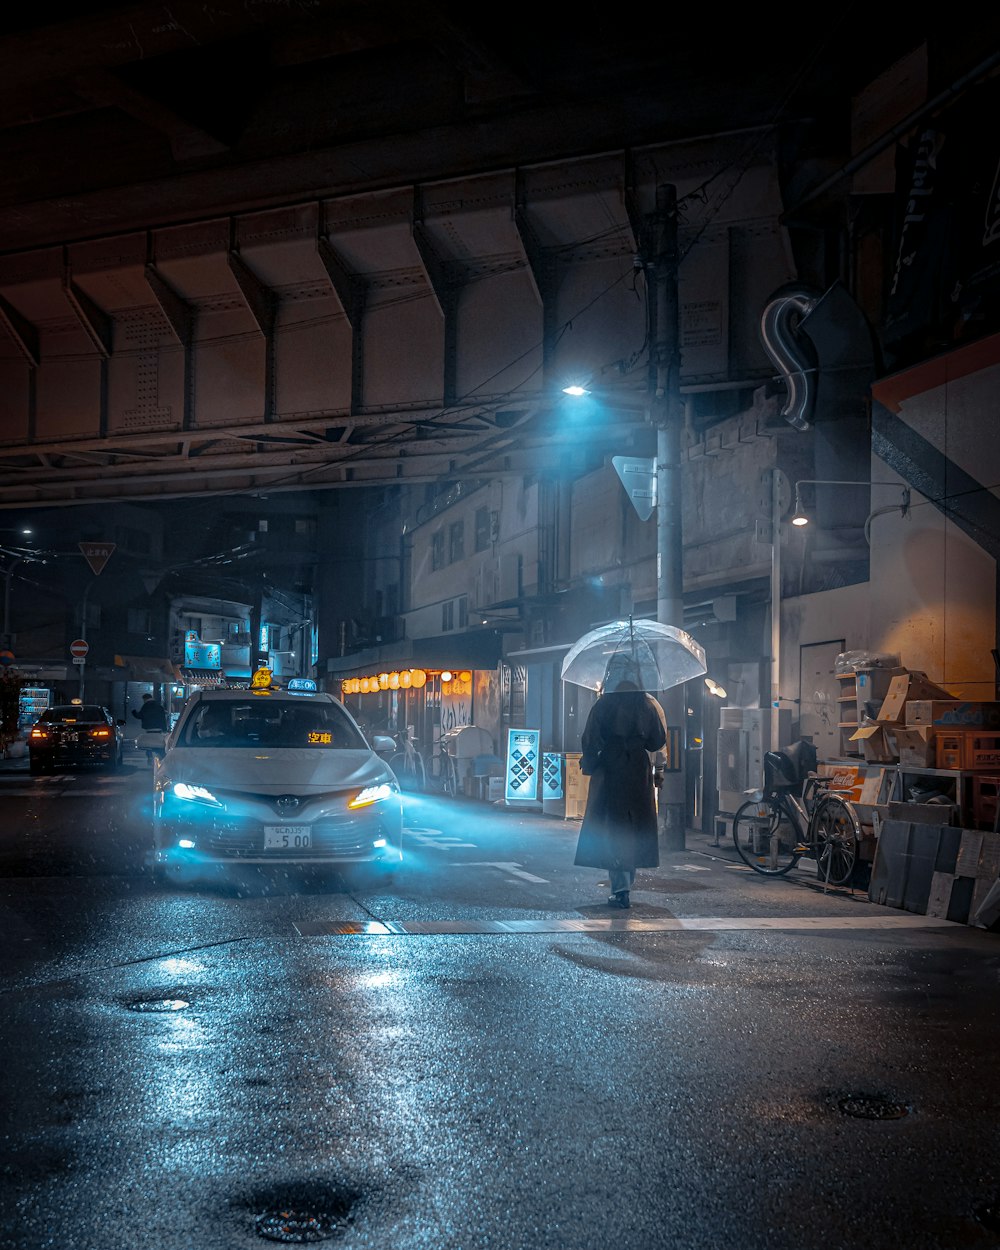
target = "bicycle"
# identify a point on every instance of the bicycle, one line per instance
(448, 772)
(775, 827)
(408, 763)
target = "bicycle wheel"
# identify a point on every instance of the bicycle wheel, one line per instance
(765, 838)
(835, 831)
(449, 777)
(409, 770)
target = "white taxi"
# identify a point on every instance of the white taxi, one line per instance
(272, 775)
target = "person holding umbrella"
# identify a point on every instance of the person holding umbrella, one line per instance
(618, 832)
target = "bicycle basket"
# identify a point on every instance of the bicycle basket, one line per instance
(779, 772)
(787, 769)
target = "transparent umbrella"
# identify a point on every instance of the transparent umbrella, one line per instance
(653, 656)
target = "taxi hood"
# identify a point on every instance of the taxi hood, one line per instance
(289, 770)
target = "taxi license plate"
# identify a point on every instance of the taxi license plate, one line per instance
(287, 837)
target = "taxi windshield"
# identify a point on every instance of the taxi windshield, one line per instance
(270, 723)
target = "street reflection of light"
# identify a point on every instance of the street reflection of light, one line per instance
(180, 967)
(183, 1033)
(379, 980)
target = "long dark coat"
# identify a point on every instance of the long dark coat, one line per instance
(619, 822)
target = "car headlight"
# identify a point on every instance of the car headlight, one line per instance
(195, 794)
(372, 794)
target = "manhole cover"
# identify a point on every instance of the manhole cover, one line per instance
(872, 1107)
(158, 1004)
(297, 1227)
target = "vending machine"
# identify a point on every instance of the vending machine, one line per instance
(31, 703)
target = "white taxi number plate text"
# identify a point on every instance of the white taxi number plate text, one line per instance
(287, 837)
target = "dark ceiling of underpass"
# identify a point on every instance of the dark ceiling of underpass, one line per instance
(119, 121)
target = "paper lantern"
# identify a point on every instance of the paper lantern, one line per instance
(365, 686)
(447, 675)
(383, 681)
(418, 678)
(465, 676)
(393, 681)
(405, 679)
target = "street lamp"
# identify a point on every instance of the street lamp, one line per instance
(800, 516)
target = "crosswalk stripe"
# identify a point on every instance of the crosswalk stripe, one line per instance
(636, 924)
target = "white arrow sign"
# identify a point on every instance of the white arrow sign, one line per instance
(638, 476)
(515, 870)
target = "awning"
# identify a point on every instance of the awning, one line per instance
(149, 668)
(480, 648)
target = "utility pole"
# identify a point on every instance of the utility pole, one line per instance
(666, 413)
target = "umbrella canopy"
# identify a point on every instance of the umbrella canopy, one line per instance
(653, 656)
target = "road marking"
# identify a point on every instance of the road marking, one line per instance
(433, 837)
(515, 870)
(637, 924)
(15, 792)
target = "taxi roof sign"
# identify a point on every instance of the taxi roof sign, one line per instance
(261, 679)
(301, 684)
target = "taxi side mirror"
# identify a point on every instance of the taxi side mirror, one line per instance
(382, 744)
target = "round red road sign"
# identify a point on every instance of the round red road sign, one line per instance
(78, 648)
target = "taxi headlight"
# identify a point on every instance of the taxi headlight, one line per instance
(371, 794)
(196, 794)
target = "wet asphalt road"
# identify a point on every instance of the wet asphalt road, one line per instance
(248, 1060)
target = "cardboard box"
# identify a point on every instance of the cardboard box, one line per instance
(945, 712)
(902, 689)
(878, 745)
(915, 746)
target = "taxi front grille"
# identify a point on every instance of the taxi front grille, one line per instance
(341, 839)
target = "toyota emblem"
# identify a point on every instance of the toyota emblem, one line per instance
(286, 803)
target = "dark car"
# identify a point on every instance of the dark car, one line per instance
(75, 733)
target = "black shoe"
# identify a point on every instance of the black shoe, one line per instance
(620, 899)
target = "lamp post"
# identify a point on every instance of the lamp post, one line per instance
(664, 392)
(83, 630)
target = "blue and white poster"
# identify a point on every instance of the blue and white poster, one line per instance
(522, 766)
(552, 778)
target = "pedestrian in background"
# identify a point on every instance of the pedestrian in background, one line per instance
(618, 832)
(153, 718)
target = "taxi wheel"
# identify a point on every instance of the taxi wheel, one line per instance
(36, 765)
